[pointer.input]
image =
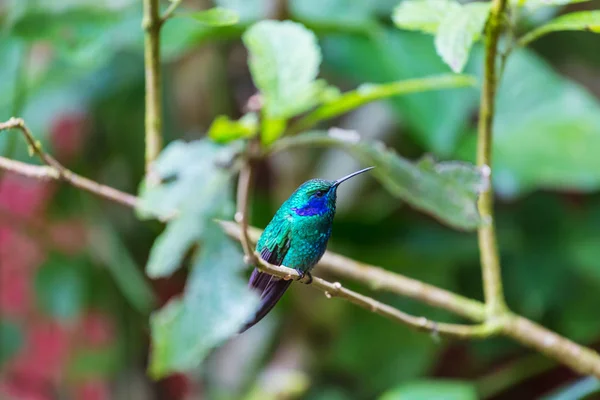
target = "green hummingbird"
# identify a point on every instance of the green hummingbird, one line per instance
(296, 237)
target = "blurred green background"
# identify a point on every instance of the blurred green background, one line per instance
(74, 300)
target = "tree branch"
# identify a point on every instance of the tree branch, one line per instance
(522, 330)
(55, 170)
(378, 278)
(152, 24)
(335, 289)
(490, 260)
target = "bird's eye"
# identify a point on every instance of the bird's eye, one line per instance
(319, 193)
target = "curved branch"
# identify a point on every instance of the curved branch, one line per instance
(335, 289)
(55, 170)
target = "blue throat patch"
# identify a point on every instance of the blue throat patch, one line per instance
(315, 206)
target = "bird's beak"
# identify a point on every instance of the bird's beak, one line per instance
(345, 178)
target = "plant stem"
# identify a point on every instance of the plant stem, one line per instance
(490, 259)
(152, 24)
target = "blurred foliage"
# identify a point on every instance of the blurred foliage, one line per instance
(73, 298)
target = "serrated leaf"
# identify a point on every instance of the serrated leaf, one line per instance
(459, 29)
(216, 16)
(215, 305)
(433, 390)
(195, 189)
(423, 15)
(577, 21)
(284, 60)
(371, 92)
(447, 190)
(224, 130)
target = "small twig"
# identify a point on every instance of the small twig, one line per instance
(170, 10)
(490, 259)
(241, 216)
(55, 170)
(336, 289)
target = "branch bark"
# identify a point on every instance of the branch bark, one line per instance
(488, 247)
(54, 170)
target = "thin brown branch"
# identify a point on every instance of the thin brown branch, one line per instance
(152, 24)
(378, 278)
(54, 170)
(490, 259)
(335, 289)
(579, 358)
(241, 216)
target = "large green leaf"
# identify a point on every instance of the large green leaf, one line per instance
(447, 190)
(215, 305)
(577, 21)
(546, 131)
(459, 29)
(456, 27)
(432, 390)
(195, 189)
(423, 15)
(435, 119)
(284, 60)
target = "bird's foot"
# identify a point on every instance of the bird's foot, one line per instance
(305, 277)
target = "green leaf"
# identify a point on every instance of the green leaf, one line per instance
(216, 16)
(432, 390)
(546, 131)
(423, 15)
(396, 55)
(60, 288)
(215, 305)
(11, 340)
(195, 189)
(446, 190)
(459, 29)
(284, 60)
(371, 92)
(577, 21)
(224, 130)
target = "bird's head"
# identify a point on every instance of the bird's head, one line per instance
(318, 196)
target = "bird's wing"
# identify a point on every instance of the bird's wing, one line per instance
(273, 247)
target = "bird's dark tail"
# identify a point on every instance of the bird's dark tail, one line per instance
(271, 288)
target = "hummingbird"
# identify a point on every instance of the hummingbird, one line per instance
(296, 237)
